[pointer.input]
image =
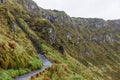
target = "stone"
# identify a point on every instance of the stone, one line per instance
(13, 26)
(32, 7)
(69, 37)
(52, 37)
(78, 40)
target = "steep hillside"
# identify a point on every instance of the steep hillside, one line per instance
(91, 46)
(91, 41)
(17, 53)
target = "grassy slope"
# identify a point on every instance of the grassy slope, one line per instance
(17, 53)
(66, 67)
(101, 63)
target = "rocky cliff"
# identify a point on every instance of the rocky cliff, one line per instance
(88, 40)
(91, 45)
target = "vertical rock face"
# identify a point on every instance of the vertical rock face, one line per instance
(115, 23)
(61, 19)
(52, 37)
(91, 22)
(109, 38)
(97, 23)
(78, 40)
(58, 18)
(69, 37)
(29, 5)
(13, 26)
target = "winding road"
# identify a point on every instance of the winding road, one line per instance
(46, 64)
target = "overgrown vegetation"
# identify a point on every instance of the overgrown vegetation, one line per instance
(67, 68)
(91, 53)
(95, 49)
(17, 53)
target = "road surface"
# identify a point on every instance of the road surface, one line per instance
(46, 64)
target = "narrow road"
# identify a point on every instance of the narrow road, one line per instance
(46, 64)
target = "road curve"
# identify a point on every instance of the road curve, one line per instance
(46, 64)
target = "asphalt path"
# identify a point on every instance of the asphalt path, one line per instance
(46, 64)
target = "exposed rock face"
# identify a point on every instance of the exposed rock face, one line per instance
(99, 38)
(30, 6)
(96, 22)
(110, 38)
(13, 26)
(114, 23)
(51, 35)
(53, 38)
(78, 40)
(51, 18)
(59, 18)
(91, 22)
(87, 53)
(69, 37)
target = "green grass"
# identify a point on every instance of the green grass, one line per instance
(103, 62)
(12, 73)
(17, 53)
(66, 67)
